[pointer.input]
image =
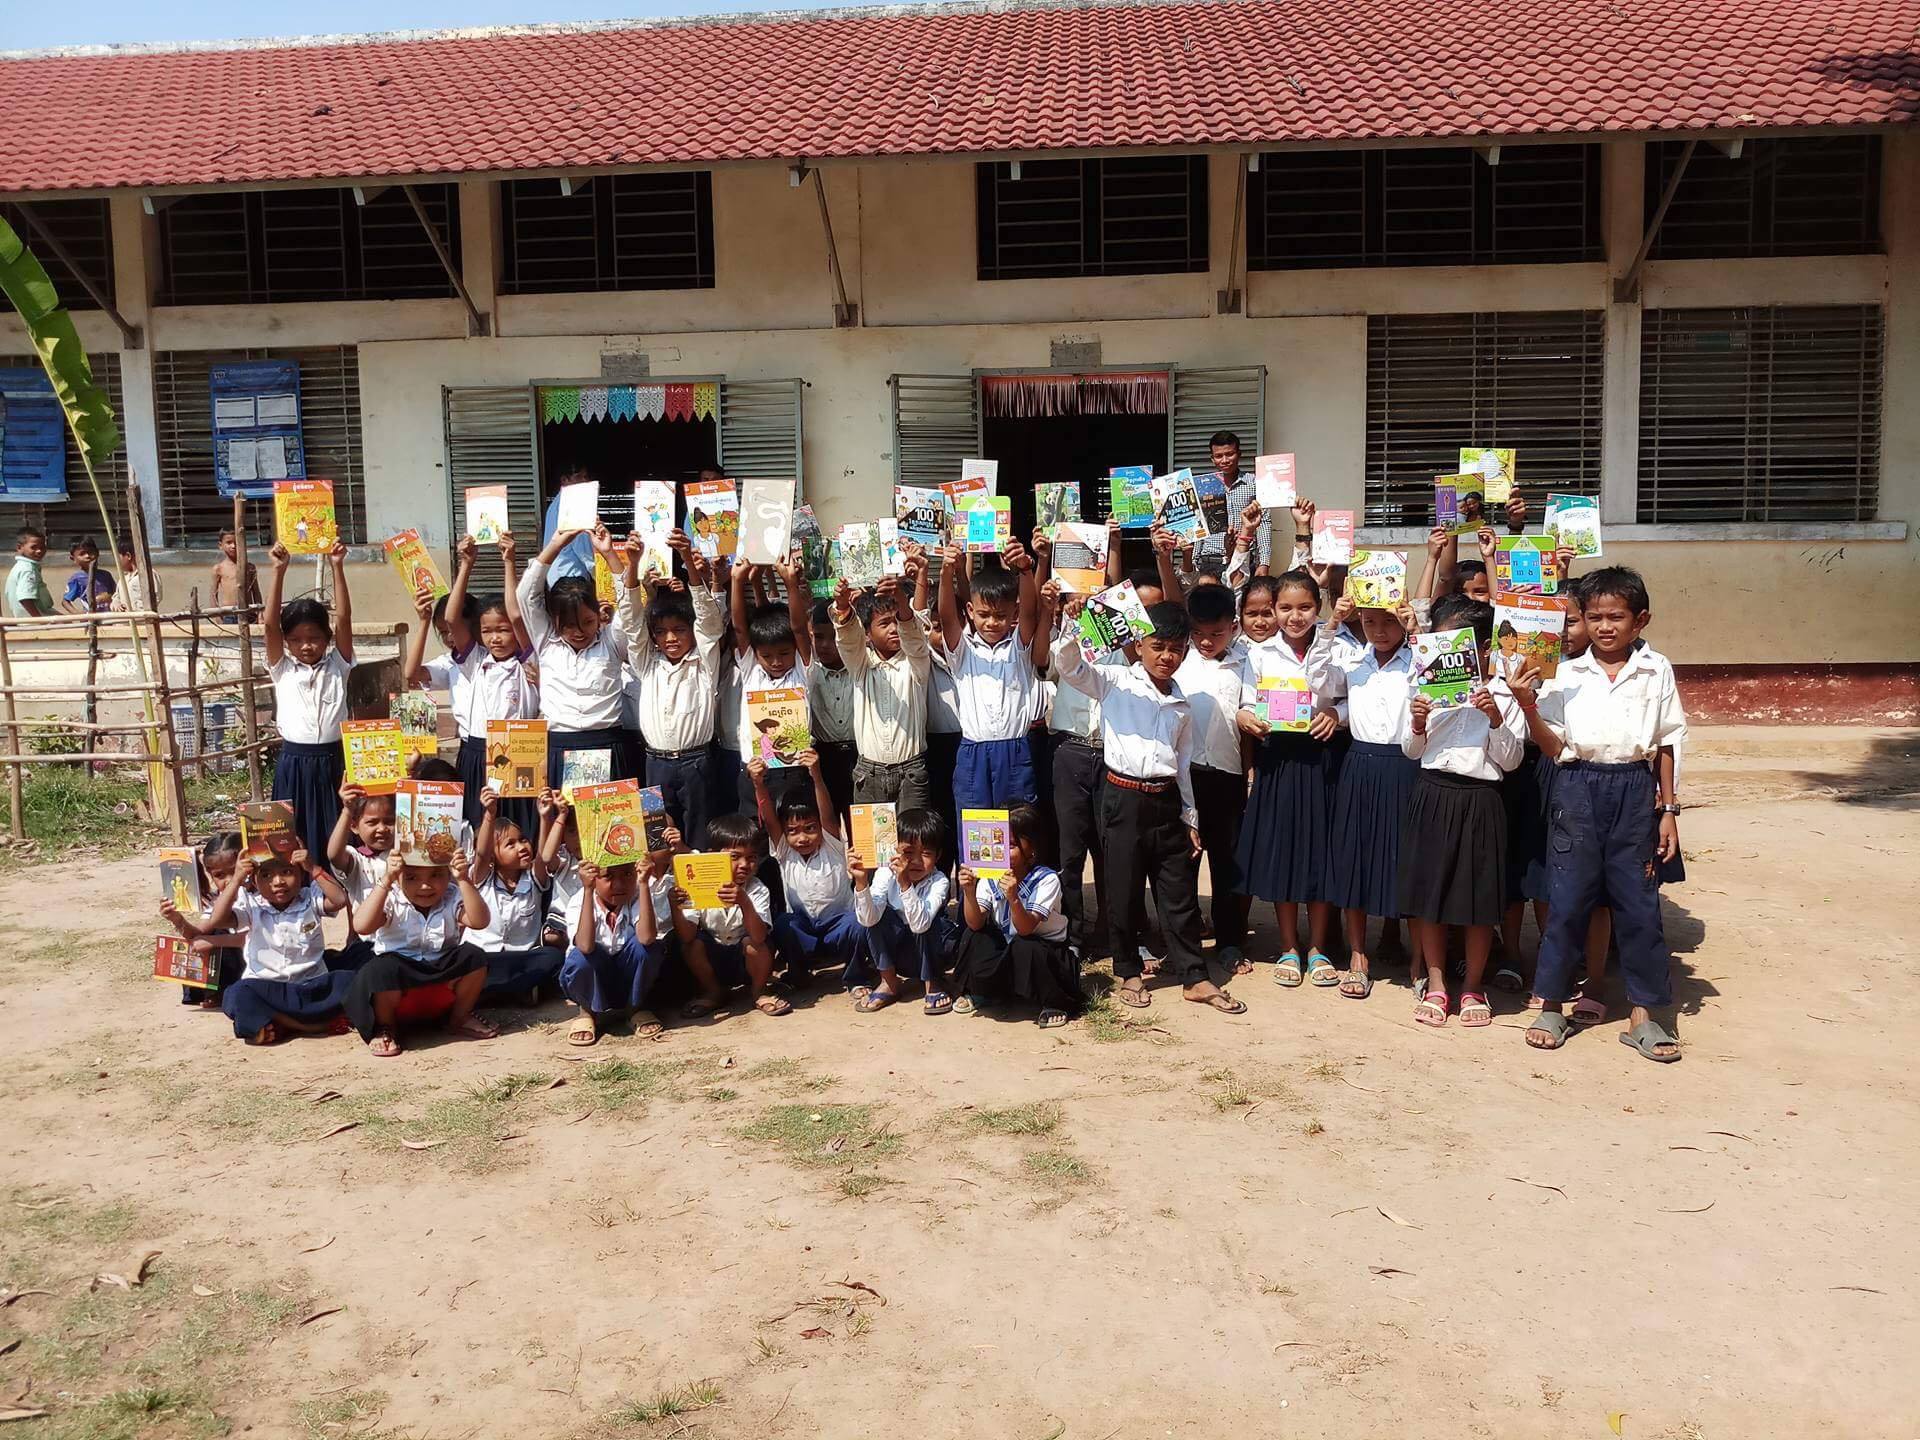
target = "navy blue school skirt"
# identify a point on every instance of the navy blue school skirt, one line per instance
(473, 775)
(1283, 835)
(1453, 851)
(309, 777)
(623, 750)
(1526, 791)
(1369, 808)
(394, 973)
(252, 1004)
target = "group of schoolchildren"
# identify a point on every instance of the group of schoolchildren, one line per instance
(970, 691)
(91, 586)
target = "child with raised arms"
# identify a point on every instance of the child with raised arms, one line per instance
(308, 656)
(288, 987)
(995, 684)
(818, 922)
(583, 663)
(1014, 946)
(1211, 677)
(675, 681)
(416, 915)
(357, 850)
(885, 650)
(733, 944)
(506, 872)
(218, 855)
(774, 645)
(830, 702)
(903, 905)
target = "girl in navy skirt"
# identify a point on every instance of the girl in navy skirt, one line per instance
(288, 987)
(583, 670)
(1453, 845)
(1282, 854)
(1370, 687)
(217, 858)
(308, 656)
(416, 915)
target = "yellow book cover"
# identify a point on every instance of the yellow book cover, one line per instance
(612, 823)
(303, 516)
(517, 757)
(376, 754)
(875, 834)
(701, 875)
(985, 842)
(266, 828)
(414, 564)
(180, 881)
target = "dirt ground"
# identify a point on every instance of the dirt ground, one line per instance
(1317, 1219)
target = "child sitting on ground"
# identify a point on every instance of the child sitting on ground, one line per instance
(818, 922)
(620, 933)
(508, 877)
(733, 944)
(357, 851)
(288, 987)
(415, 914)
(217, 858)
(904, 909)
(1015, 944)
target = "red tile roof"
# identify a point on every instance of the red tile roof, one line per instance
(948, 80)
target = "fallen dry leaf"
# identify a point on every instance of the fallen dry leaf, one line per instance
(1697, 1210)
(1285, 1343)
(422, 1144)
(322, 1314)
(1734, 1135)
(556, 1082)
(31, 1413)
(1614, 1417)
(862, 1287)
(316, 1249)
(834, 1146)
(339, 1129)
(1519, 1180)
(41, 1204)
(324, 1096)
(144, 1264)
(6, 1300)
(1396, 1219)
(1863, 1289)
(204, 1292)
(1387, 1270)
(111, 1279)
(11, 1346)
(814, 1332)
(510, 1135)
(726, 1063)
(581, 1116)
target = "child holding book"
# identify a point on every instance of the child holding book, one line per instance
(1079, 776)
(994, 680)
(358, 851)
(583, 663)
(308, 656)
(559, 854)
(885, 650)
(1014, 946)
(1211, 678)
(775, 645)
(507, 874)
(830, 691)
(218, 855)
(818, 922)
(416, 915)
(288, 988)
(732, 944)
(904, 908)
(620, 934)
(674, 682)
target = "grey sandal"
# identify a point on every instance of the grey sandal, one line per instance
(1551, 1023)
(1647, 1037)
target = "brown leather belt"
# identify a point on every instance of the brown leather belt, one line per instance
(1145, 787)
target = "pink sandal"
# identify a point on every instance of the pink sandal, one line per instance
(1432, 1009)
(1475, 1012)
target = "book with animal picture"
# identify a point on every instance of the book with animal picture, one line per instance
(1523, 565)
(1111, 619)
(860, 554)
(1275, 485)
(266, 828)
(419, 720)
(517, 758)
(174, 963)
(1080, 557)
(1573, 523)
(427, 816)
(875, 834)
(1493, 466)
(1446, 666)
(702, 874)
(713, 517)
(1176, 505)
(303, 519)
(1130, 496)
(376, 754)
(653, 502)
(1212, 491)
(1528, 630)
(653, 811)
(989, 525)
(1332, 537)
(414, 564)
(1459, 503)
(1055, 503)
(816, 552)
(486, 513)
(613, 825)
(180, 881)
(781, 729)
(1286, 701)
(1377, 579)
(921, 511)
(584, 767)
(579, 507)
(984, 473)
(986, 842)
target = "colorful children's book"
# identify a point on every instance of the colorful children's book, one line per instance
(1523, 565)
(861, 554)
(893, 559)
(1459, 503)
(1080, 557)
(875, 834)
(1111, 619)
(985, 472)
(653, 523)
(985, 842)
(1130, 489)
(713, 517)
(1377, 579)
(613, 825)
(180, 881)
(780, 726)
(413, 563)
(487, 513)
(653, 810)
(989, 525)
(1212, 491)
(921, 511)
(1446, 666)
(303, 516)
(426, 821)
(1528, 629)
(1275, 485)
(1055, 504)
(1493, 466)
(517, 758)
(1573, 523)
(579, 506)
(419, 720)
(701, 875)
(175, 963)
(584, 767)
(376, 754)
(960, 494)
(816, 552)
(1176, 505)
(766, 520)
(1286, 701)
(266, 828)
(1333, 537)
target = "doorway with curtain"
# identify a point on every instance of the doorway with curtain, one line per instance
(617, 434)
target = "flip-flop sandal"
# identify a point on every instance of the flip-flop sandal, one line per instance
(938, 1002)
(646, 1025)
(583, 1032)
(339, 1025)
(384, 1045)
(1134, 999)
(1509, 979)
(1222, 1002)
(268, 1034)
(474, 1028)
(701, 1006)
(1588, 1011)
(773, 1005)
(1286, 970)
(1481, 1012)
(1051, 1019)
(1554, 1026)
(1647, 1037)
(1321, 971)
(874, 1000)
(1356, 985)
(1432, 1009)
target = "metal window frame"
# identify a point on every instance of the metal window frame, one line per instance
(61, 219)
(79, 513)
(603, 229)
(1100, 202)
(1748, 188)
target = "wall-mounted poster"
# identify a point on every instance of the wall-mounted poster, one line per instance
(256, 426)
(33, 438)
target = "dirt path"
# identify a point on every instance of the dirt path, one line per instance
(1317, 1219)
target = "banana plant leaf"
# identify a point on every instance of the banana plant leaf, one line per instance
(24, 281)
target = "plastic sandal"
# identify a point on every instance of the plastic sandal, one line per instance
(1588, 1011)
(938, 1002)
(1554, 1026)
(1051, 1019)
(1286, 970)
(1321, 971)
(1509, 979)
(1356, 985)
(877, 999)
(1475, 1001)
(1646, 1037)
(1433, 1003)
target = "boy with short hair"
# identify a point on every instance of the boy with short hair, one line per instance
(27, 592)
(830, 687)
(904, 907)
(734, 944)
(774, 645)
(227, 590)
(818, 921)
(886, 652)
(674, 679)
(85, 555)
(1210, 676)
(997, 687)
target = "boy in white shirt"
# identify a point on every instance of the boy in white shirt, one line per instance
(830, 702)
(674, 681)
(994, 679)
(886, 652)
(619, 935)
(734, 943)
(818, 922)
(1210, 678)
(774, 647)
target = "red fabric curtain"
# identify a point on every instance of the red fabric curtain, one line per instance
(1021, 397)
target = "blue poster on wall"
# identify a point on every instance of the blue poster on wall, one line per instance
(256, 426)
(33, 439)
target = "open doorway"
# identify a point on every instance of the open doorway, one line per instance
(617, 434)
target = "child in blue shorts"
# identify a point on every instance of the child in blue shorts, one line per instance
(733, 944)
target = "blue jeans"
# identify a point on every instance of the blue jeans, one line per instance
(686, 785)
(993, 774)
(605, 980)
(892, 946)
(802, 942)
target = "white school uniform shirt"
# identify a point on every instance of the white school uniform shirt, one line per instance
(1073, 712)
(1212, 688)
(1039, 891)
(919, 904)
(310, 701)
(514, 914)
(480, 688)
(579, 689)
(726, 718)
(817, 884)
(1371, 697)
(943, 700)
(830, 702)
(1145, 733)
(1617, 721)
(282, 945)
(612, 929)
(563, 885)
(425, 937)
(891, 697)
(359, 874)
(1462, 741)
(1275, 658)
(993, 686)
(674, 706)
(755, 676)
(728, 924)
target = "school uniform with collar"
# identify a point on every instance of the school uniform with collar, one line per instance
(1376, 778)
(1453, 843)
(1213, 688)
(787, 779)
(519, 962)
(581, 691)
(620, 970)
(1603, 825)
(818, 922)
(997, 963)
(677, 707)
(287, 964)
(943, 732)
(1079, 777)
(891, 701)
(309, 704)
(830, 699)
(1146, 808)
(725, 759)
(994, 694)
(723, 931)
(412, 948)
(1283, 849)
(479, 689)
(908, 931)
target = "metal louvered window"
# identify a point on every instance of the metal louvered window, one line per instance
(760, 431)
(1526, 382)
(1359, 208)
(1140, 215)
(1781, 197)
(491, 440)
(1760, 414)
(193, 510)
(275, 246)
(85, 229)
(1208, 401)
(618, 232)
(79, 514)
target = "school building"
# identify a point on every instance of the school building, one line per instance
(1668, 253)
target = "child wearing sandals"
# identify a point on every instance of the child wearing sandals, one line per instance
(1015, 945)
(731, 945)
(308, 656)
(1453, 854)
(288, 987)
(818, 922)
(904, 908)
(358, 850)
(620, 933)
(218, 856)
(508, 877)
(416, 915)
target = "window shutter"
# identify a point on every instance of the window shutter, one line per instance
(78, 514)
(1205, 401)
(936, 425)
(491, 441)
(760, 431)
(84, 228)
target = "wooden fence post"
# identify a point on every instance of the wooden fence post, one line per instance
(193, 685)
(248, 709)
(16, 804)
(169, 742)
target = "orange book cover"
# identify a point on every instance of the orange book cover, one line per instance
(303, 518)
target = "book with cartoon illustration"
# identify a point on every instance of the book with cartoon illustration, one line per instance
(419, 720)
(986, 842)
(1111, 619)
(1377, 579)
(1573, 523)
(613, 825)
(1176, 505)
(517, 758)
(1528, 629)
(266, 828)
(713, 517)
(1080, 557)
(414, 564)
(427, 817)
(816, 552)
(1332, 537)
(860, 554)
(1130, 496)
(1494, 466)
(960, 494)
(579, 507)
(701, 875)
(303, 519)
(1286, 701)
(376, 754)
(989, 525)
(180, 881)
(584, 767)
(1055, 503)
(1212, 491)
(875, 834)
(1275, 485)
(1446, 666)
(486, 513)
(781, 729)
(653, 502)
(921, 511)
(1523, 565)
(174, 963)
(1459, 503)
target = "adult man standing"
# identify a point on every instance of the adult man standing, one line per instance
(1224, 448)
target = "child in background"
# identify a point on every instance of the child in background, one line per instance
(732, 945)
(775, 646)
(85, 555)
(416, 915)
(27, 592)
(357, 850)
(1015, 945)
(507, 874)
(132, 594)
(583, 662)
(943, 701)
(225, 586)
(218, 855)
(885, 649)
(994, 679)
(288, 987)
(1283, 835)
(620, 933)
(675, 681)
(308, 656)
(830, 687)
(904, 908)
(818, 922)
(1211, 678)
(559, 855)
(1453, 846)
(1079, 775)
